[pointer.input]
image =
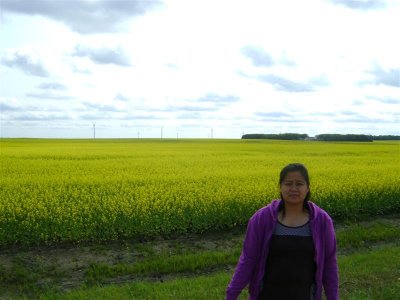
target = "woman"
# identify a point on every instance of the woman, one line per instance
(289, 251)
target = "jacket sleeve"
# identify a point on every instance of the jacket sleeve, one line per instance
(247, 261)
(330, 277)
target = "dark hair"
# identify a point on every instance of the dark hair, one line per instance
(295, 167)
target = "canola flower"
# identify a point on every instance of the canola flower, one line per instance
(55, 191)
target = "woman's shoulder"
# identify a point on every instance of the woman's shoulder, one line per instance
(267, 211)
(319, 213)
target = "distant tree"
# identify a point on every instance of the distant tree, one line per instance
(280, 136)
(321, 137)
(386, 137)
(344, 137)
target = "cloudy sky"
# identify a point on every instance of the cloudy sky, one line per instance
(198, 68)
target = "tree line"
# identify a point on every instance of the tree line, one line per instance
(322, 137)
(280, 136)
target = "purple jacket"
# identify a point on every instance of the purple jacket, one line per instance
(251, 266)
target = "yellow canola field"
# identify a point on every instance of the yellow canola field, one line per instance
(79, 190)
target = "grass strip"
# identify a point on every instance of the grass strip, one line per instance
(351, 237)
(360, 235)
(370, 275)
(386, 292)
(192, 262)
(360, 270)
(30, 276)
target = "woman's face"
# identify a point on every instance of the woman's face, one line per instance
(294, 188)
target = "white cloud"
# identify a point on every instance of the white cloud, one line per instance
(85, 17)
(271, 66)
(27, 61)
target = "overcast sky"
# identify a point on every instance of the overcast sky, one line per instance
(196, 68)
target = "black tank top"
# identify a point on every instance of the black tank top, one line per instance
(290, 267)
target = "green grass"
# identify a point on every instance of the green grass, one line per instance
(350, 237)
(363, 234)
(373, 274)
(386, 292)
(165, 264)
(184, 257)
(370, 273)
(201, 287)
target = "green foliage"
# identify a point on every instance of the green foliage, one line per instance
(55, 191)
(386, 137)
(280, 136)
(345, 137)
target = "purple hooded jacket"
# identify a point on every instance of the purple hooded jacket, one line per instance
(251, 266)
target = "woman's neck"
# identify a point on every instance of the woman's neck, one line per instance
(295, 215)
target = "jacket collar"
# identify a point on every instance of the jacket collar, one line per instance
(277, 204)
